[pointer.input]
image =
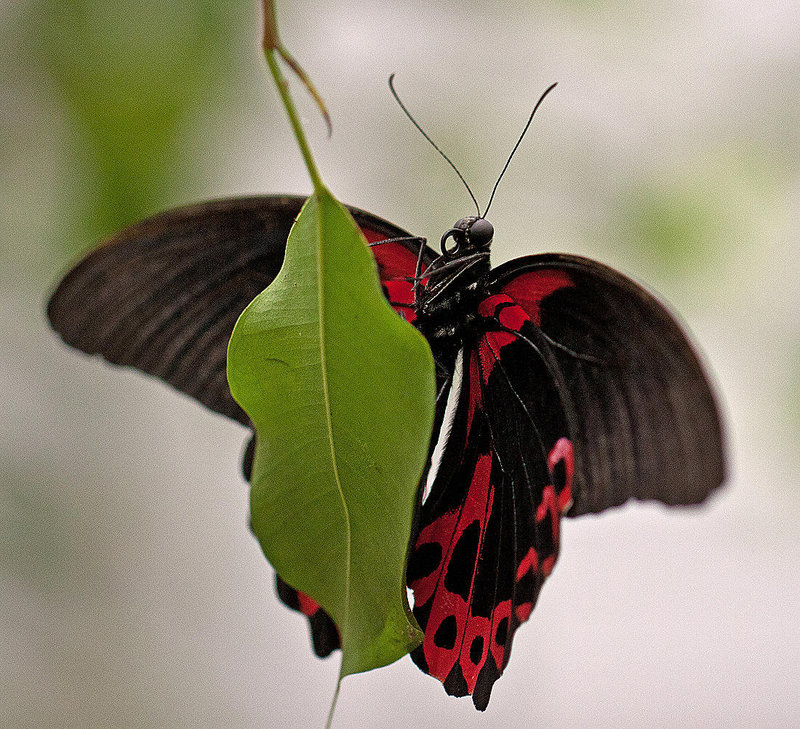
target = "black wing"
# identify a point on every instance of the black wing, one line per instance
(163, 295)
(646, 423)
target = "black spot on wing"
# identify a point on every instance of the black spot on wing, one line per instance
(483, 686)
(423, 561)
(461, 566)
(455, 684)
(476, 650)
(559, 476)
(445, 635)
(324, 633)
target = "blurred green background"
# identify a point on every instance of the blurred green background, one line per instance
(131, 593)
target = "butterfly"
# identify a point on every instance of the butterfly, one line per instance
(564, 388)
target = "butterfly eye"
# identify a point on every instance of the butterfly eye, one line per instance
(480, 233)
(458, 236)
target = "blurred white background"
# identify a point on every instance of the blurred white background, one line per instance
(131, 591)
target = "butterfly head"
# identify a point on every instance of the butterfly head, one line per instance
(464, 259)
(469, 236)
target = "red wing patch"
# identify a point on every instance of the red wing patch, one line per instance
(530, 288)
(490, 527)
(400, 294)
(394, 260)
(397, 265)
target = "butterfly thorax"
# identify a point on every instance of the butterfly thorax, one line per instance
(455, 282)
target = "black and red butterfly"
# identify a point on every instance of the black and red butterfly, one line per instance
(564, 389)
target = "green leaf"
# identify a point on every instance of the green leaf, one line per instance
(341, 392)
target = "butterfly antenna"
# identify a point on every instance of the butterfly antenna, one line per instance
(433, 144)
(519, 141)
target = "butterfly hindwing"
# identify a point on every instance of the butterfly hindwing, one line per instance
(646, 423)
(489, 528)
(324, 633)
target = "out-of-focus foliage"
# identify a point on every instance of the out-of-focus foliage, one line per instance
(131, 76)
(35, 539)
(675, 226)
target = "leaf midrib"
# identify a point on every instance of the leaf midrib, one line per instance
(328, 418)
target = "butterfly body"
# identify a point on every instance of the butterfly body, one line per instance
(447, 319)
(564, 389)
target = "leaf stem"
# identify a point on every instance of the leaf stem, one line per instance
(272, 43)
(333, 703)
(270, 25)
(294, 119)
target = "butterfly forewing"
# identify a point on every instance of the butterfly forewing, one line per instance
(647, 426)
(163, 295)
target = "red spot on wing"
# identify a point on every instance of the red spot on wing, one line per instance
(531, 288)
(507, 312)
(556, 499)
(562, 452)
(512, 317)
(523, 611)
(308, 606)
(504, 310)
(529, 563)
(548, 503)
(502, 611)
